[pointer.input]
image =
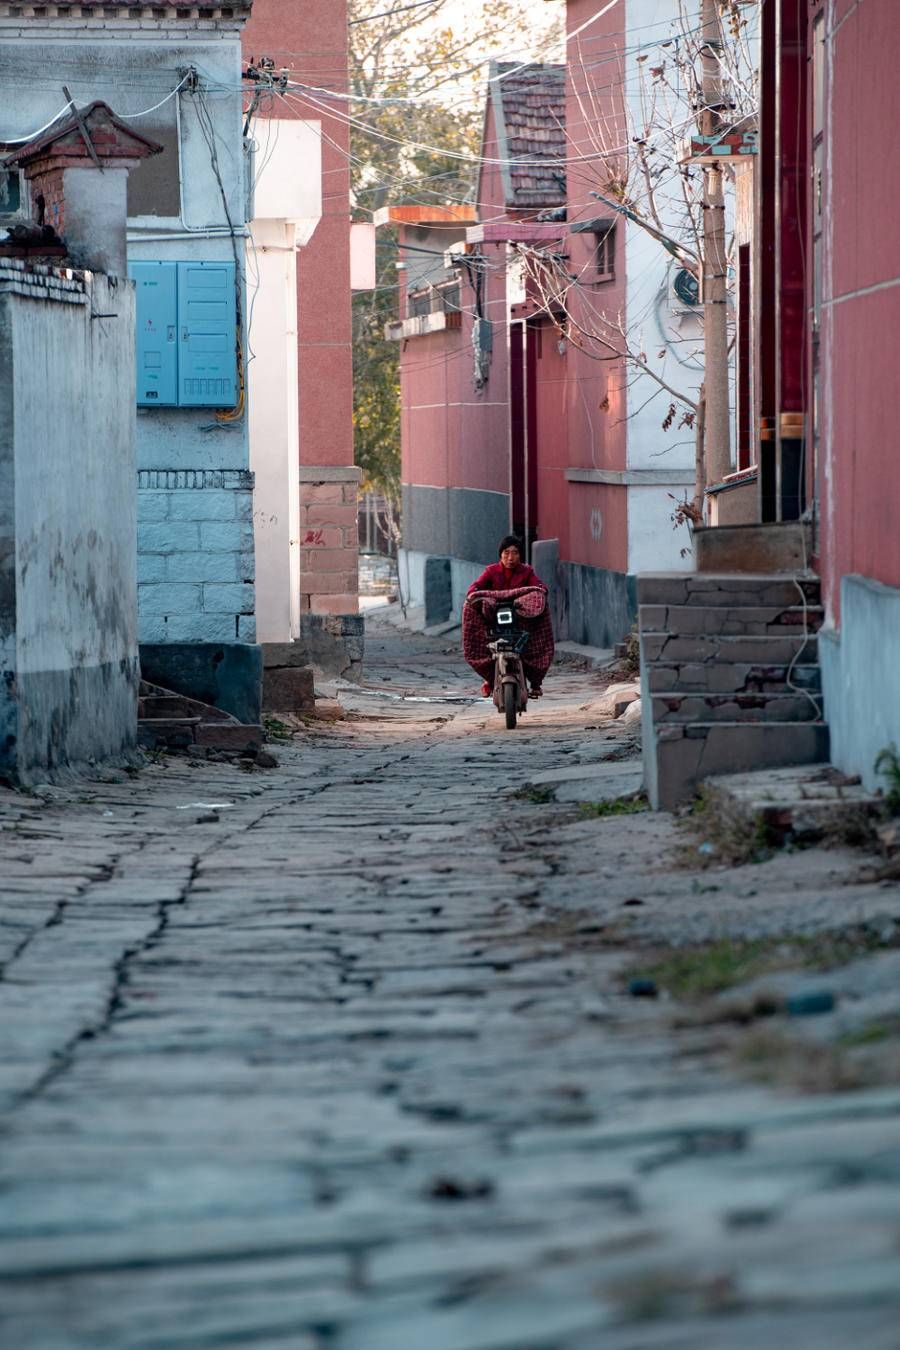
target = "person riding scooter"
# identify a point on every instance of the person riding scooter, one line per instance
(509, 574)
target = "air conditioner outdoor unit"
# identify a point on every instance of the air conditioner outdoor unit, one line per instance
(454, 253)
(684, 291)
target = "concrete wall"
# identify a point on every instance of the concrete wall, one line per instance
(68, 595)
(861, 676)
(598, 606)
(133, 64)
(458, 522)
(195, 541)
(412, 572)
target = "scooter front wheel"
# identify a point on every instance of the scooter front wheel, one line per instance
(510, 699)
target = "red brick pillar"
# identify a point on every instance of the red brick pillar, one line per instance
(328, 539)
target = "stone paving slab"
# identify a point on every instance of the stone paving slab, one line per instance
(354, 1065)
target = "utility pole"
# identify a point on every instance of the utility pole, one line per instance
(715, 312)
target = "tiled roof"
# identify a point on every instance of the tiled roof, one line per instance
(530, 111)
(162, 9)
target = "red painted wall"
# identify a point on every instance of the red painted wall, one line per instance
(310, 39)
(859, 483)
(595, 394)
(453, 435)
(552, 390)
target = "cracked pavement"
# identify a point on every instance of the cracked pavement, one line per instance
(340, 1057)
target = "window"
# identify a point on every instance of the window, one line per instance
(443, 298)
(602, 266)
(10, 195)
(606, 254)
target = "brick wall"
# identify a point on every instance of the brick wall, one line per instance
(328, 547)
(195, 556)
(49, 185)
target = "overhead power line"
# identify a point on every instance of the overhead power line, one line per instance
(389, 13)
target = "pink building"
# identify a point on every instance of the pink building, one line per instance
(852, 287)
(299, 269)
(464, 475)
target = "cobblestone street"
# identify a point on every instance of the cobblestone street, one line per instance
(341, 1055)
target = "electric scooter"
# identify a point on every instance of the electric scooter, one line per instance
(507, 646)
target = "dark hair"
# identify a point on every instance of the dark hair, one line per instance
(510, 541)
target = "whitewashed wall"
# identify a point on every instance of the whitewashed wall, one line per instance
(68, 594)
(655, 327)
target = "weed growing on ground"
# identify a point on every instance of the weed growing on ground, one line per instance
(887, 764)
(539, 794)
(631, 663)
(617, 806)
(693, 973)
(871, 1033)
(868, 1058)
(275, 729)
(770, 1056)
(725, 836)
(697, 972)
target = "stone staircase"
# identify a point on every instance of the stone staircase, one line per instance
(170, 721)
(729, 677)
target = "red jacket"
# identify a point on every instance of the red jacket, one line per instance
(494, 578)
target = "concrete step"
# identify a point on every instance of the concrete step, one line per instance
(730, 649)
(683, 755)
(180, 733)
(156, 702)
(730, 620)
(734, 677)
(727, 589)
(288, 689)
(795, 805)
(167, 733)
(702, 708)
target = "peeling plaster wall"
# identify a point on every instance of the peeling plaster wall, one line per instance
(68, 588)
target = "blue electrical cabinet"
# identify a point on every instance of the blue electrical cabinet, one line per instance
(207, 358)
(186, 334)
(156, 346)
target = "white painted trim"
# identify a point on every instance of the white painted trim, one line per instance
(633, 477)
(330, 473)
(866, 290)
(442, 487)
(474, 403)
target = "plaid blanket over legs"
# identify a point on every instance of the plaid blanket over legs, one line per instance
(531, 612)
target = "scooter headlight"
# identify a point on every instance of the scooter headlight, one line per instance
(504, 618)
